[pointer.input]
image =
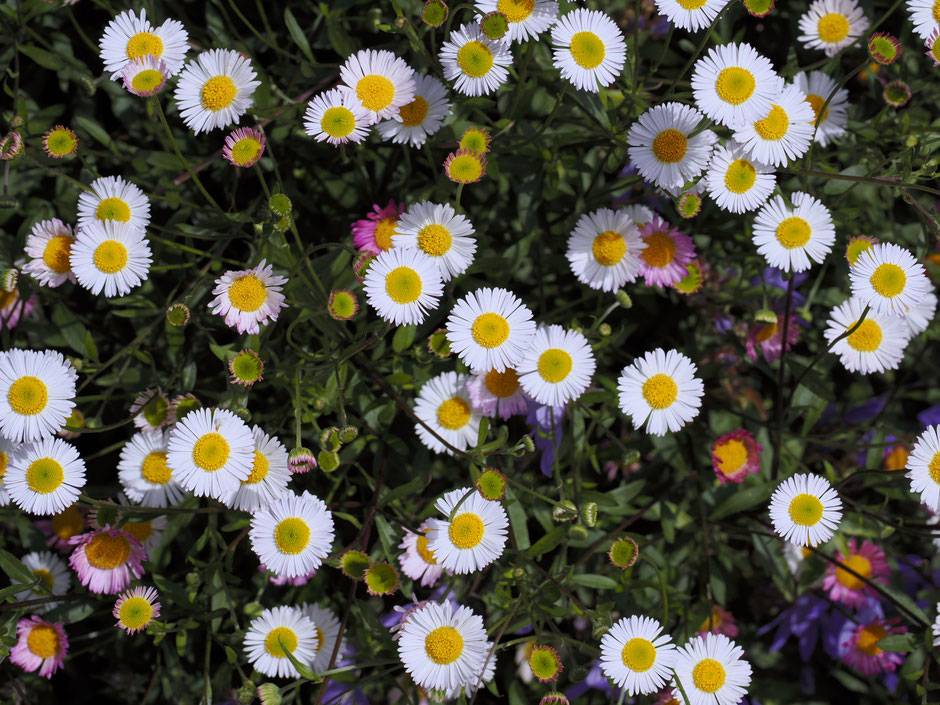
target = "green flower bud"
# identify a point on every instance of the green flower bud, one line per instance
(327, 460)
(588, 514)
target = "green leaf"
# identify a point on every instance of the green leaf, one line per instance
(742, 499)
(899, 643)
(901, 597)
(403, 338)
(15, 570)
(96, 131)
(44, 58)
(517, 519)
(71, 328)
(297, 34)
(600, 582)
(304, 671)
(547, 542)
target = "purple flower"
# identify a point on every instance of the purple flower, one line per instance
(929, 417)
(865, 412)
(595, 680)
(802, 621)
(774, 277)
(540, 417)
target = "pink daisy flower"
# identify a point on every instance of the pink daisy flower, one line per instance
(869, 561)
(863, 652)
(735, 456)
(769, 338)
(666, 254)
(374, 233)
(720, 621)
(136, 608)
(40, 645)
(106, 560)
(243, 147)
(933, 47)
(13, 308)
(248, 298)
(497, 393)
(59, 528)
(417, 561)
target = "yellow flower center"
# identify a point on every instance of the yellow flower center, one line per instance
(466, 530)
(587, 50)
(516, 10)
(732, 455)
(427, 555)
(61, 142)
(68, 523)
(554, 365)
(490, 330)
(475, 59)
(107, 552)
(708, 675)
(660, 391)
(443, 645)
(935, 47)
(867, 337)
(319, 633)
(465, 169)
(775, 125)
(833, 27)
(691, 4)
(278, 636)
(28, 395)
(147, 81)
(45, 579)
(740, 176)
(211, 452)
(338, 121)
(766, 332)
(856, 248)
(292, 535)
(259, 469)
(502, 384)
(660, 250)
(735, 85)
(888, 280)
(713, 621)
(936, 11)
(793, 232)
(4, 459)
(45, 475)
(384, 230)
(434, 239)
(144, 43)
(639, 654)
(670, 145)
(110, 256)
(140, 530)
(113, 209)
(806, 510)
(896, 459)
(860, 565)
(608, 248)
(57, 252)
(248, 293)
(375, 92)
(816, 102)
(403, 285)
(934, 468)
(135, 613)
(154, 468)
(218, 93)
(453, 413)
(246, 151)
(868, 639)
(414, 113)
(43, 641)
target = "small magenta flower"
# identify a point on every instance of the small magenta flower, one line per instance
(136, 608)
(246, 368)
(735, 455)
(343, 305)
(857, 245)
(465, 166)
(869, 562)
(374, 232)
(769, 338)
(243, 147)
(623, 552)
(545, 663)
(11, 146)
(476, 139)
(434, 13)
(884, 48)
(60, 142)
(719, 621)
(107, 559)
(862, 650)
(933, 47)
(145, 76)
(897, 94)
(301, 460)
(759, 8)
(40, 646)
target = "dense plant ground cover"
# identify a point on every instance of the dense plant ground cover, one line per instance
(422, 446)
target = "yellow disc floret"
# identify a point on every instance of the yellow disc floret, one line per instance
(144, 43)
(211, 452)
(434, 239)
(57, 252)
(45, 475)
(43, 641)
(218, 93)
(403, 285)
(466, 530)
(516, 10)
(867, 337)
(735, 85)
(793, 232)
(107, 552)
(453, 413)
(292, 535)
(154, 468)
(806, 510)
(554, 365)
(443, 645)
(110, 256)
(587, 50)
(708, 675)
(248, 293)
(670, 146)
(490, 330)
(833, 27)
(660, 391)
(28, 395)
(375, 92)
(475, 59)
(278, 636)
(888, 280)
(113, 208)
(415, 112)
(774, 126)
(608, 248)
(639, 655)
(740, 176)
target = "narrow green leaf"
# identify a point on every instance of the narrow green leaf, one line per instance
(303, 670)
(44, 58)
(547, 542)
(15, 570)
(297, 34)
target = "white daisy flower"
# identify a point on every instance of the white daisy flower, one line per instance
(784, 133)
(490, 329)
(660, 389)
(475, 63)
(791, 239)
(817, 87)
(50, 245)
(7, 448)
(269, 475)
(145, 76)
(274, 631)
(639, 214)
(249, 297)
(637, 656)
(737, 183)
(380, 81)
(733, 84)
(113, 257)
(293, 534)
(923, 465)
(935, 629)
(113, 198)
(557, 367)
(128, 37)
(45, 477)
(497, 393)
(143, 471)
(403, 286)
(805, 510)
(527, 18)
(327, 626)
(604, 249)
(474, 538)
(889, 279)
(443, 648)
(53, 575)
(876, 345)
(420, 118)
(662, 146)
(418, 561)
(215, 90)
(925, 16)
(211, 452)
(36, 393)
(444, 404)
(920, 315)
(588, 48)
(712, 670)
(439, 232)
(832, 25)
(337, 117)
(691, 15)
